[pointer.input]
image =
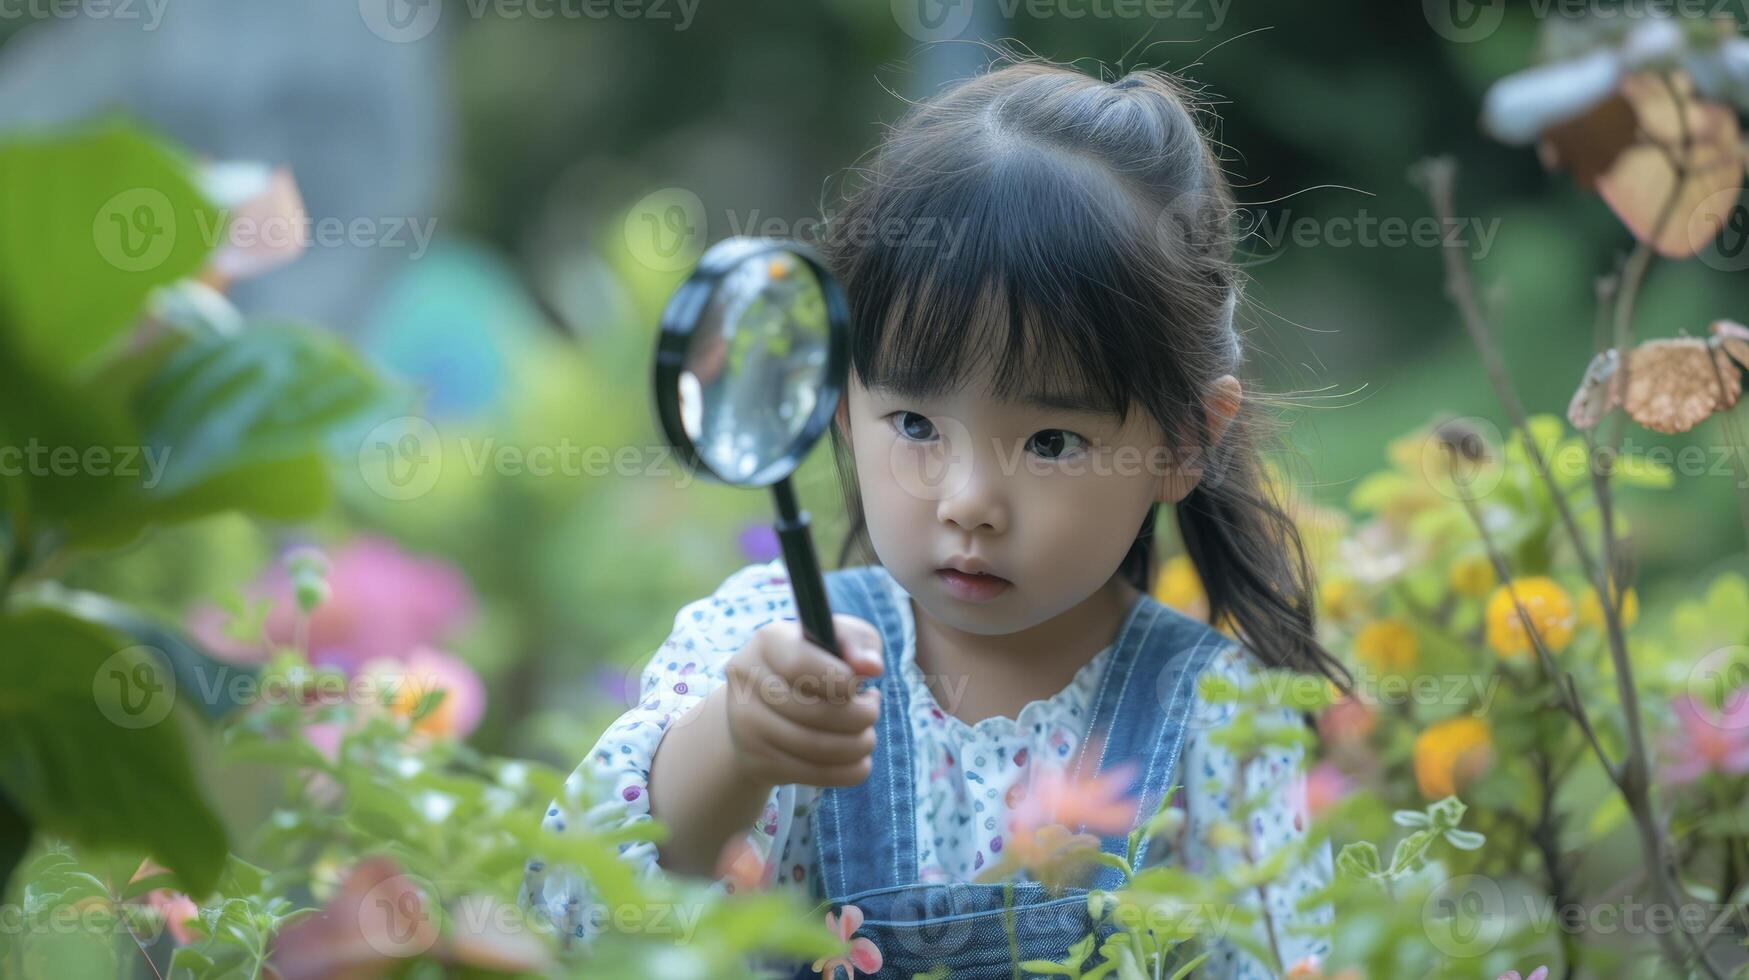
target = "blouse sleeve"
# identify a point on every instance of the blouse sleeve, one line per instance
(1211, 777)
(610, 788)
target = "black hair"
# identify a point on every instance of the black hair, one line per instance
(1093, 254)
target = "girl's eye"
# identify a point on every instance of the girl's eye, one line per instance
(914, 427)
(1055, 443)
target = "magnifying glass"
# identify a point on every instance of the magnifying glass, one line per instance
(750, 365)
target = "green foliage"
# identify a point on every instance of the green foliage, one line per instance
(90, 754)
(113, 423)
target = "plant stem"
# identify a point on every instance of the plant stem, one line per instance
(1008, 925)
(1547, 835)
(1631, 778)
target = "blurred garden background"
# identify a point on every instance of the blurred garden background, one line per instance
(521, 140)
(498, 196)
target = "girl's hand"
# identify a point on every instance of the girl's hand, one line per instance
(794, 713)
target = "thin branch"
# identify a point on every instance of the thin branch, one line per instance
(1438, 176)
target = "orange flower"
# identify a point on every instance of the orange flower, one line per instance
(740, 867)
(1388, 646)
(1550, 610)
(1449, 753)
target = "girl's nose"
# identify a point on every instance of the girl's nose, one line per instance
(978, 504)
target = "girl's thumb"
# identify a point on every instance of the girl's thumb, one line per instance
(862, 645)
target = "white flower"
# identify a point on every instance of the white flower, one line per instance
(1722, 72)
(1653, 43)
(1520, 106)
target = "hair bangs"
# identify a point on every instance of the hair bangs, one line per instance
(1020, 283)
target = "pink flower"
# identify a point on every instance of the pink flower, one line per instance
(1325, 785)
(381, 918)
(1540, 973)
(864, 955)
(1100, 803)
(175, 907)
(384, 602)
(1710, 741)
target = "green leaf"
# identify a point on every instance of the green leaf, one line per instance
(1409, 851)
(1642, 471)
(1359, 860)
(92, 752)
(1465, 840)
(201, 678)
(1184, 971)
(95, 219)
(14, 840)
(274, 392)
(282, 490)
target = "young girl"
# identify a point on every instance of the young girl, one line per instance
(1039, 267)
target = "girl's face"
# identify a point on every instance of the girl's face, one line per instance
(1047, 496)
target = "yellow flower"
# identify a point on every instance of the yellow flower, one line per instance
(1181, 588)
(1550, 610)
(1340, 599)
(1472, 576)
(1387, 646)
(1591, 611)
(1449, 753)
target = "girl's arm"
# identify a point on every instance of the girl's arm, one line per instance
(610, 788)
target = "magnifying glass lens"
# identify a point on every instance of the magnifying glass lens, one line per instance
(756, 365)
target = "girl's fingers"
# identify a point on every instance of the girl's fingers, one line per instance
(816, 713)
(843, 775)
(815, 747)
(805, 667)
(859, 644)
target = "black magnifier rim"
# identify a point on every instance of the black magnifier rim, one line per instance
(680, 319)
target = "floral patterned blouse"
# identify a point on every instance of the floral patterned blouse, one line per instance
(968, 769)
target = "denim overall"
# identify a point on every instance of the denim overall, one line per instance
(866, 833)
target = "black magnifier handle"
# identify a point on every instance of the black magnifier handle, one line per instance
(805, 580)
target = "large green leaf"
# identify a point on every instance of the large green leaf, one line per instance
(283, 489)
(210, 684)
(95, 219)
(274, 392)
(89, 748)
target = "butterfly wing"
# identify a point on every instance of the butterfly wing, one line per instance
(1675, 384)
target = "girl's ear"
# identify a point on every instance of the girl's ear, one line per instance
(1225, 397)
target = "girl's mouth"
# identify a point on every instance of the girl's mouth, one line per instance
(972, 588)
